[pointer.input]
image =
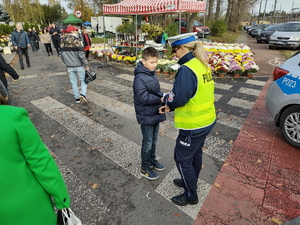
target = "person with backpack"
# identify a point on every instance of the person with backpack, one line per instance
(21, 42)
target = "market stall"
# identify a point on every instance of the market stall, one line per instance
(150, 7)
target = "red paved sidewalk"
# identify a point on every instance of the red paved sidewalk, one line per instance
(259, 182)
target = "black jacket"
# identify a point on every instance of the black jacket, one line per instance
(55, 36)
(32, 35)
(5, 67)
(146, 93)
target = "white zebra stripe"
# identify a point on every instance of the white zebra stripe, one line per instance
(256, 82)
(241, 103)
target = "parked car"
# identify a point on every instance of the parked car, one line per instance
(198, 27)
(283, 99)
(287, 36)
(248, 27)
(251, 28)
(258, 29)
(264, 35)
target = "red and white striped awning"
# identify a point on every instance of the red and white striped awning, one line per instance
(154, 6)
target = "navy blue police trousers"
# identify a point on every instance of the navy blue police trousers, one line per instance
(188, 158)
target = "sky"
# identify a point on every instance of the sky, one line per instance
(285, 5)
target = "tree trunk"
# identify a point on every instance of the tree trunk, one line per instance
(218, 9)
(190, 24)
(236, 9)
(210, 9)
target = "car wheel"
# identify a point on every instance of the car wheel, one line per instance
(258, 41)
(270, 47)
(290, 125)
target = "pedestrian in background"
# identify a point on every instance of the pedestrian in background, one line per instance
(5, 67)
(32, 37)
(192, 98)
(146, 94)
(37, 37)
(55, 34)
(72, 55)
(21, 42)
(87, 42)
(46, 40)
(29, 176)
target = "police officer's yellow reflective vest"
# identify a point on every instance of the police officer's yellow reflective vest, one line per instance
(199, 111)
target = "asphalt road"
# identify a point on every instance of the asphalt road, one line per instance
(97, 145)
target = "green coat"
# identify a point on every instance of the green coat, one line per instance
(29, 176)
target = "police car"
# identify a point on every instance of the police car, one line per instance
(283, 99)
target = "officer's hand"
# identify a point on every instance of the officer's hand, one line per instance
(164, 109)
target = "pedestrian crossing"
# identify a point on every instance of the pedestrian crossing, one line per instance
(125, 152)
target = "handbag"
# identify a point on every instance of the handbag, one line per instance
(89, 76)
(67, 217)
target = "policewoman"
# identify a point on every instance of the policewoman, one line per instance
(192, 99)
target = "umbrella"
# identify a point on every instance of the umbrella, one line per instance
(86, 23)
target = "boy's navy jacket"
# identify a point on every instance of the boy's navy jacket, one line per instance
(146, 93)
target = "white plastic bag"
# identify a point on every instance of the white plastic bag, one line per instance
(70, 217)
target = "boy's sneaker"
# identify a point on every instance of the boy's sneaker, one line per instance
(83, 98)
(156, 165)
(78, 100)
(149, 174)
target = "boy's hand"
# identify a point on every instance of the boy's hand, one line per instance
(164, 109)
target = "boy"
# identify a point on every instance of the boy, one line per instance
(147, 102)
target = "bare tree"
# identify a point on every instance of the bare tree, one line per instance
(218, 9)
(210, 9)
(235, 11)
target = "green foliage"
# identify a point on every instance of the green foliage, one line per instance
(4, 17)
(6, 29)
(52, 13)
(218, 28)
(127, 27)
(152, 30)
(30, 25)
(227, 37)
(43, 25)
(172, 29)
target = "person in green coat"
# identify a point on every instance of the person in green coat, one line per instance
(29, 176)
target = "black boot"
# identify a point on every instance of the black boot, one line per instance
(48, 54)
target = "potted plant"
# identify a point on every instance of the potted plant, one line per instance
(174, 68)
(221, 70)
(236, 69)
(165, 68)
(250, 69)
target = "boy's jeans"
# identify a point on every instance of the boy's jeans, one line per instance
(150, 136)
(73, 79)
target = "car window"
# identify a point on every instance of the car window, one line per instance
(290, 27)
(273, 27)
(197, 23)
(183, 23)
